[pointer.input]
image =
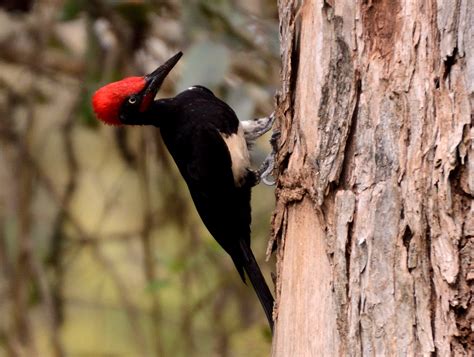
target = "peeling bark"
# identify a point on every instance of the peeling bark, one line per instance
(374, 221)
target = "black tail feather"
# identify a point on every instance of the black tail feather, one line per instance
(258, 282)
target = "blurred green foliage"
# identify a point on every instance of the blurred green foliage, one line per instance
(101, 250)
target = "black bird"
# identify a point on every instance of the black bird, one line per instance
(210, 147)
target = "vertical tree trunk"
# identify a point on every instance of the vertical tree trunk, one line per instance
(374, 219)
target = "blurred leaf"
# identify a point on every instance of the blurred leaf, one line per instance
(213, 245)
(135, 12)
(206, 64)
(10, 232)
(71, 10)
(156, 285)
(178, 266)
(242, 102)
(87, 114)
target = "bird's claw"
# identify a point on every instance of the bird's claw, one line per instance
(274, 140)
(268, 164)
(266, 169)
(254, 129)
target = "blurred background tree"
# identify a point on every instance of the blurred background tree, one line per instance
(101, 250)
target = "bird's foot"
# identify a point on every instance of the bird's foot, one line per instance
(254, 129)
(265, 170)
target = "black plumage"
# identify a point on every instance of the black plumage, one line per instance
(192, 125)
(208, 144)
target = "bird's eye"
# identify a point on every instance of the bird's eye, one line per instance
(132, 100)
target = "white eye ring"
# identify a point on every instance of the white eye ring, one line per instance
(132, 100)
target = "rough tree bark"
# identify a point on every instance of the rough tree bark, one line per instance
(374, 220)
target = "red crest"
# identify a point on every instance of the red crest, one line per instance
(107, 100)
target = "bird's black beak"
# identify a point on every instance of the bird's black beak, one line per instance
(155, 79)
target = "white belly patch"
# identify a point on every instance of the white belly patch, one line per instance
(239, 154)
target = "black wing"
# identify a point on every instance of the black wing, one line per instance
(223, 207)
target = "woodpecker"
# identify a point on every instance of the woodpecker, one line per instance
(211, 149)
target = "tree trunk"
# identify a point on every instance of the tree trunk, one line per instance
(374, 221)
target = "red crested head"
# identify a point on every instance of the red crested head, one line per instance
(127, 101)
(108, 99)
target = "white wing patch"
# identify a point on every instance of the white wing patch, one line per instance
(239, 154)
